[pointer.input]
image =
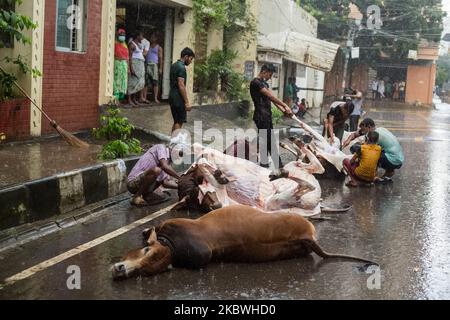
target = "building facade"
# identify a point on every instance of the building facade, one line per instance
(288, 39)
(73, 47)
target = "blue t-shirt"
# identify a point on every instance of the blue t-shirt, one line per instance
(391, 147)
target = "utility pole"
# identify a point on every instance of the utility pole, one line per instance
(350, 39)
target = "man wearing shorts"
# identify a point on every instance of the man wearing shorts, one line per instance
(178, 98)
(392, 157)
(152, 170)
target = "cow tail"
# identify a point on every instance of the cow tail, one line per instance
(314, 246)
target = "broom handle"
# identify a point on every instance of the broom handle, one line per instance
(29, 98)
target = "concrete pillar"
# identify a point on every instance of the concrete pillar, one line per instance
(107, 51)
(246, 50)
(37, 58)
(184, 36)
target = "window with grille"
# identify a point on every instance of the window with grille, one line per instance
(71, 29)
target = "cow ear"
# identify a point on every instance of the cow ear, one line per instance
(152, 238)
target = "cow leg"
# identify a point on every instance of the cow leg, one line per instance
(203, 166)
(314, 165)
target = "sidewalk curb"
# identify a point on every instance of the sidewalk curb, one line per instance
(155, 134)
(53, 196)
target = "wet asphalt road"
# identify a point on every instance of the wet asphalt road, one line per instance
(405, 226)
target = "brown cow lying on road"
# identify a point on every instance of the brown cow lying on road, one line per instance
(235, 233)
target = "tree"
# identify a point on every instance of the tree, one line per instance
(331, 16)
(238, 24)
(12, 27)
(405, 23)
(232, 15)
(443, 70)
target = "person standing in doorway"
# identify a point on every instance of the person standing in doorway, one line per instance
(381, 89)
(144, 92)
(290, 92)
(262, 98)
(374, 89)
(401, 89)
(154, 65)
(136, 81)
(395, 91)
(121, 66)
(388, 89)
(178, 97)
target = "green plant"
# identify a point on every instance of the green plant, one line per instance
(277, 115)
(13, 26)
(443, 70)
(208, 13)
(232, 15)
(117, 130)
(218, 69)
(119, 149)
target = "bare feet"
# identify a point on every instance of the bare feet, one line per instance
(139, 201)
(351, 184)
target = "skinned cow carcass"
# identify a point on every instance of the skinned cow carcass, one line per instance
(293, 189)
(330, 156)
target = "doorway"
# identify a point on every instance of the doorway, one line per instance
(149, 17)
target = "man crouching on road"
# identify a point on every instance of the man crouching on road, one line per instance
(152, 170)
(392, 157)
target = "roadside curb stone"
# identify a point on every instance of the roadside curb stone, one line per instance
(56, 195)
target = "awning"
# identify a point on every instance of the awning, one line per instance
(176, 3)
(168, 3)
(300, 48)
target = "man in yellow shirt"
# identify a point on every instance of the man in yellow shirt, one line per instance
(364, 170)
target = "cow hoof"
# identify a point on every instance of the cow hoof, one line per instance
(220, 177)
(278, 174)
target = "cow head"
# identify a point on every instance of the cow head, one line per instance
(152, 259)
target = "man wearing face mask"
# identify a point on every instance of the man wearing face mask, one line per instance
(121, 66)
(262, 98)
(178, 97)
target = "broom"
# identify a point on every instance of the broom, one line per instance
(67, 136)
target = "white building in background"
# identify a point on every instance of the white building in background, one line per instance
(288, 39)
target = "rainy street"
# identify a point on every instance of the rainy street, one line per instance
(403, 225)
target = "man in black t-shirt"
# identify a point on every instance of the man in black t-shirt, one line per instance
(336, 120)
(178, 96)
(262, 98)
